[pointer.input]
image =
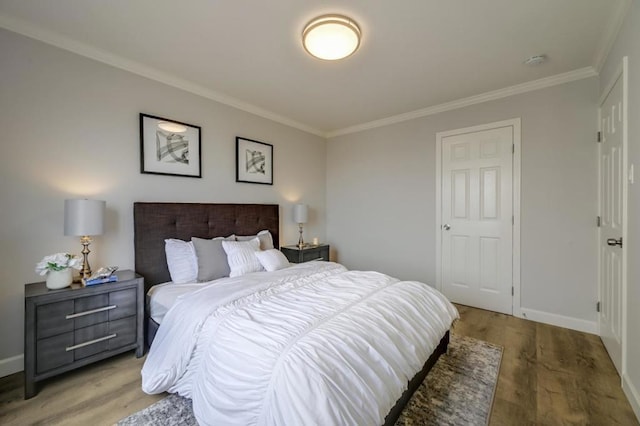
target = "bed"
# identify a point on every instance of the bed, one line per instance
(201, 367)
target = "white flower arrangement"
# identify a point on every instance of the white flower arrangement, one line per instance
(58, 262)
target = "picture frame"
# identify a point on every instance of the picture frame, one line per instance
(169, 147)
(254, 161)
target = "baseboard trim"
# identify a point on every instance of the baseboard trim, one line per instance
(11, 365)
(560, 320)
(632, 395)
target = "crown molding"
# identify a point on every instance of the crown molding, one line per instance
(26, 29)
(610, 34)
(517, 89)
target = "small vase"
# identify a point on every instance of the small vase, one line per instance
(59, 279)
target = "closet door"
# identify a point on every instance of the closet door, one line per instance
(477, 211)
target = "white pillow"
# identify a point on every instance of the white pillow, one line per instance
(272, 260)
(241, 256)
(266, 239)
(181, 260)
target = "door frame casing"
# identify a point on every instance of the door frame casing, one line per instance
(621, 73)
(515, 123)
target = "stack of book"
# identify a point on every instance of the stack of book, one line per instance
(100, 280)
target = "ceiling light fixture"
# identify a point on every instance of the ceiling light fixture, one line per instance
(331, 37)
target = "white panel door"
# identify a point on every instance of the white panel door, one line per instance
(477, 209)
(612, 221)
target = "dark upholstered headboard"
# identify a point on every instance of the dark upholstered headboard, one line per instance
(155, 222)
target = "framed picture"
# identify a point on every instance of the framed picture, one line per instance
(169, 147)
(254, 161)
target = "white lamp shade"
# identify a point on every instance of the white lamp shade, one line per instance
(300, 213)
(84, 217)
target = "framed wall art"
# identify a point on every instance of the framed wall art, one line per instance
(254, 161)
(169, 147)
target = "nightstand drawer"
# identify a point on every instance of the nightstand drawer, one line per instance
(104, 337)
(69, 315)
(125, 302)
(125, 331)
(51, 319)
(65, 348)
(306, 254)
(90, 340)
(51, 353)
(90, 310)
(320, 253)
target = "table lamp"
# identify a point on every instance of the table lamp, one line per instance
(300, 212)
(84, 218)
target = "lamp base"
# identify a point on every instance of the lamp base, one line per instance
(300, 240)
(85, 272)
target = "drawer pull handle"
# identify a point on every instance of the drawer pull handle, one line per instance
(90, 342)
(93, 311)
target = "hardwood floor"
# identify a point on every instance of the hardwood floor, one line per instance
(99, 394)
(548, 376)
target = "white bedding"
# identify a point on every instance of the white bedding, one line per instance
(163, 296)
(310, 344)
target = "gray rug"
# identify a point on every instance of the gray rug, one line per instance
(458, 391)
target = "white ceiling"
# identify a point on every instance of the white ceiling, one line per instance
(414, 54)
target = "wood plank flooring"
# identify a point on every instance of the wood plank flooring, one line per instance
(548, 376)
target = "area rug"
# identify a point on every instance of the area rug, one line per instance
(458, 391)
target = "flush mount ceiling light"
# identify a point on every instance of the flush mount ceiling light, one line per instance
(168, 126)
(331, 37)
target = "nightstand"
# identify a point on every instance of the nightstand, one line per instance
(299, 255)
(75, 326)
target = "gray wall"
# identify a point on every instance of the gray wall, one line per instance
(628, 44)
(70, 129)
(381, 195)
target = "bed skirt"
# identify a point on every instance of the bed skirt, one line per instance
(151, 328)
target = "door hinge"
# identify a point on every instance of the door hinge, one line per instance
(599, 136)
(512, 291)
(613, 242)
(513, 148)
(598, 221)
(513, 220)
(598, 307)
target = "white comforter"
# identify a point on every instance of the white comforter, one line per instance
(310, 344)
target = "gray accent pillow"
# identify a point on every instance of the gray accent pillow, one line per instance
(266, 240)
(212, 259)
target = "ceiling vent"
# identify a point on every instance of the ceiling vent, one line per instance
(535, 60)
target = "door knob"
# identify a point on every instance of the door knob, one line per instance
(614, 242)
(446, 226)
